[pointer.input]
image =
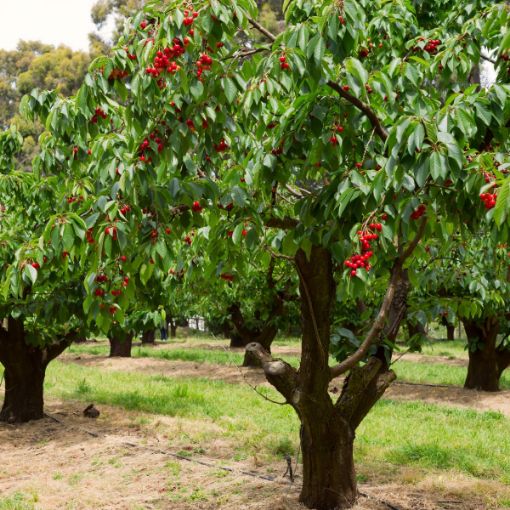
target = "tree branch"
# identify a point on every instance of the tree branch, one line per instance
(414, 243)
(488, 59)
(286, 223)
(278, 373)
(397, 275)
(262, 30)
(375, 330)
(376, 123)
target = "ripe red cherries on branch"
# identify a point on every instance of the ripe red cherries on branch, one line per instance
(489, 199)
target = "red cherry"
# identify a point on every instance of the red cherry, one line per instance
(35, 265)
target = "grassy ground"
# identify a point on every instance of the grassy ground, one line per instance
(393, 435)
(421, 438)
(17, 502)
(437, 373)
(407, 371)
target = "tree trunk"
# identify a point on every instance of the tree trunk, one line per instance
(25, 368)
(327, 428)
(265, 338)
(450, 332)
(120, 345)
(483, 373)
(329, 479)
(173, 330)
(149, 337)
(24, 382)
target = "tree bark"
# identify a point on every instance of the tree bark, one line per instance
(25, 369)
(173, 327)
(450, 332)
(149, 337)
(120, 345)
(327, 427)
(244, 335)
(329, 478)
(486, 360)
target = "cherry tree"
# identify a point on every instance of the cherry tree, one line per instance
(340, 145)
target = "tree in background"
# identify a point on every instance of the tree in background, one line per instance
(468, 279)
(42, 292)
(36, 65)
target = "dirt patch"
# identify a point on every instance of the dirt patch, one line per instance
(154, 366)
(452, 396)
(126, 461)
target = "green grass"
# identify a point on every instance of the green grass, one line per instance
(437, 373)
(453, 349)
(394, 433)
(17, 501)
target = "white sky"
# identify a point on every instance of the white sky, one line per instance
(50, 21)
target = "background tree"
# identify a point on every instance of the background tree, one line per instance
(42, 291)
(36, 65)
(468, 278)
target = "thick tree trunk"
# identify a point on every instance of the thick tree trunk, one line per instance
(25, 369)
(450, 332)
(149, 337)
(24, 382)
(120, 345)
(173, 330)
(483, 371)
(327, 428)
(329, 479)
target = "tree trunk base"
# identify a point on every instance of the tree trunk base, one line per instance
(329, 480)
(120, 346)
(24, 386)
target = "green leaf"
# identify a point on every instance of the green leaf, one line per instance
(230, 89)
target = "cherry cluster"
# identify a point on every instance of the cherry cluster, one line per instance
(419, 212)
(189, 17)
(222, 146)
(163, 60)
(283, 62)
(99, 113)
(111, 231)
(489, 200)
(361, 260)
(145, 147)
(430, 47)
(204, 63)
(90, 236)
(196, 207)
(488, 177)
(337, 128)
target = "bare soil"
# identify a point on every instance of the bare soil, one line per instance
(127, 461)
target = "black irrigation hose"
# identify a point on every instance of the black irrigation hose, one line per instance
(429, 385)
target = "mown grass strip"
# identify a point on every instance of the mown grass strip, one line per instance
(394, 433)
